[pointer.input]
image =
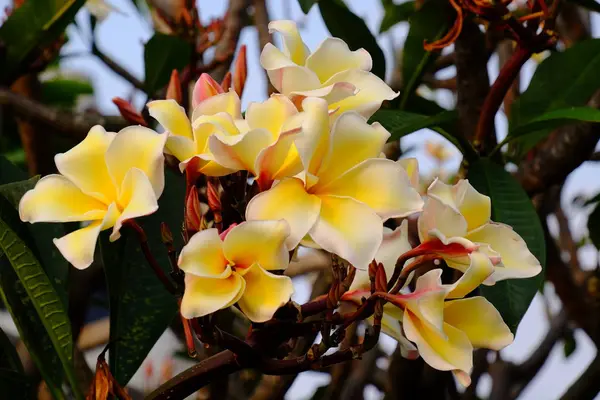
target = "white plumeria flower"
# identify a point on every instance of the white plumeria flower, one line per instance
(333, 72)
(105, 180)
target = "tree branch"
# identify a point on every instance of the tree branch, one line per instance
(225, 49)
(587, 386)
(117, 69)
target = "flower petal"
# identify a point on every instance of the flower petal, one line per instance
(137, 147)
(411, 166)
(394, 244)
(204, 296)
(280, 159)
(372, 91)
(333, 55)
(313, 143)
(243, 154)
(203, 256)
(331, 94)
(136, 199)
(207, 125)
(479, 270)
(480, 321)
(181, 147)
(441, 217)
(78, 246)
(474, 206)
(287, 200)
(284, 75)
(349, 229)
(517, 260)
(84, 165)
(205, 88)
(260, 242)
(381, 184)
(56, 199)
(352, 142)
(265, 293)
(271, 114)
(171, 116)
(225, 102)
(293, 46)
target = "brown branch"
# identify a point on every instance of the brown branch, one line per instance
(67, 124)
(261, 20)
(225, 49)
(587, 386)
(567, 242)
(118, 69)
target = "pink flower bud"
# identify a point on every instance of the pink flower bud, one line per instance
(129, 112)
(174, 88)
(240, 71)
(205, 87)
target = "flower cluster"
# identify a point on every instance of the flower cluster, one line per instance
(320, 180)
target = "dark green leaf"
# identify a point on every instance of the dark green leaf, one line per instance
(511, 206)
(45, 21)
(429, 23)
(563, 80)
(140, 307)
(162, 54)
(344, 24)
(569, 344)
(306, 5)
(591, 5)
(9, 359)
(593, 226)
(34, 304)
(12, 377)
(62, 92)
(395, 13)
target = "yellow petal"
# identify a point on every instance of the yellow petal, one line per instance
(426, 302)
(381, 184)
(203, 256)
(243, 154)
(441, 217)
(349, 229)
(480, 321)
(260, 242)
(137, 147)
(207, 125)
(313, 143)
(271, 114)
(284, 75)
(56, 199)
(372, 91)
(331, 93)
(203, 296)
(333, 55)
(293, 46)
(280, 159)
(287, 200)
(222, 103)
(517, 260)
(171, 116)
(411, 166)
(85, 166)
(180, 147)
(265, 293)
(480, 268)
(474, 206)
(136, 199)
(78, 246)
(352, 142)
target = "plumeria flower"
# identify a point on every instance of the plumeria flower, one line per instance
(262, 143)
(459, 214)
(333, 72)
(234, 268)
(100, 9)
(105, 180)
(446, 327)
(345, 190)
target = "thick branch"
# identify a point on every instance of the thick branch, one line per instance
(118, 69)
(587, 386)
(225, 49)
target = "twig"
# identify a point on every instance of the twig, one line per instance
(587, 386)
(261, 20)
(225, 49)
(567, 242)
(118, 69)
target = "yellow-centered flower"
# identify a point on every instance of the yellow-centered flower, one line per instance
(104, 180)
(220, 272)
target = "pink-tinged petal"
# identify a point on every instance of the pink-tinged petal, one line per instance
(265, 293)
(284, 75)
(136, 199)
(349, 229)
(427, 300)
(352, 141)
(78, 246)
(203, 296)
(474, 206)
(56, 199)
(171, 116)
(243, 154)
(516, 259)
(271, 114)
(84, 165)
(287, 200)
(479, 270)
(381, 184)
(293, 46)
(442, 218)
(137, 147)
(180, 147)
(203, 256)
(372, 91)
(443, 193)
(228, 102)
(205, 88)
(333, 55)
(313, 143)
(331, 94)
(279, 160)
(480, 321)
(260, 242)
(411, 166)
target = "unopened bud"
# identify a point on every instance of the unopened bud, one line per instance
(226, 83)
(166, 234)
(381, 279)
(240, 71)
(129, 112)
(214, 199)
(193, 214)
(205, 87)
(174, 88)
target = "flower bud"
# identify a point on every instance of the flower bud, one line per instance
(205, 87)
(193, 213)
(240, 71)
(174, 88)
(226, 83)
(129, 112)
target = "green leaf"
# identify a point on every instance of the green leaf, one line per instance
(429, 23)
(34, 304)
(511, 206)
(344, 24)
(12, 378)
(64, 92)
(563, 80)
(162, 54)
(9, 359)
(569, 344)
(45, 21)
(593, 226)
(591, 5)
(395, 13)
(306, 5)
(140, 307)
